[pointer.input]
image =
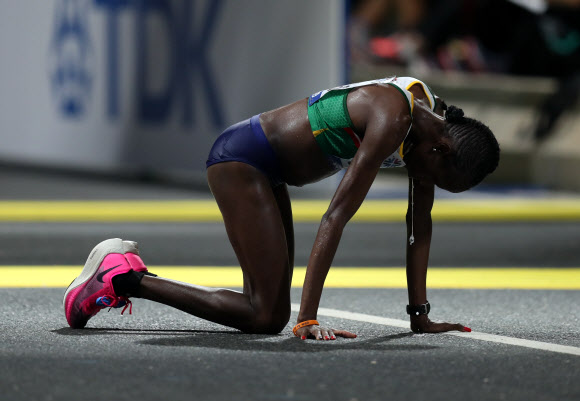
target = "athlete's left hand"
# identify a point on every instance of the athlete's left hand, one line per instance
(422, 324)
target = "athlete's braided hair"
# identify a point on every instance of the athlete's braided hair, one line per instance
(476, 149)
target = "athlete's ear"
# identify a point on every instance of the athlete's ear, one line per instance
(440, 106)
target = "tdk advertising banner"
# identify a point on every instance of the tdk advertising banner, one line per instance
(147, 85)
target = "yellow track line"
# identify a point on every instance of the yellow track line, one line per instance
(304, 210)
(339, 277)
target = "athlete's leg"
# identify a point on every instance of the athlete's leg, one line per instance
(285, 207)
(256, 231)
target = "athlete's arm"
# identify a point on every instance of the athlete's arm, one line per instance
(419, 229)
(384, 131)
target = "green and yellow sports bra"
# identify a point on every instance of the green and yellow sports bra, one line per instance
(333, 129)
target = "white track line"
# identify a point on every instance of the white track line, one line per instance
(361, 317)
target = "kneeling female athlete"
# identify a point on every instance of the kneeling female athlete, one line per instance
(389, 122)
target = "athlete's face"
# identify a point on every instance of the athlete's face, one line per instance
(431, 158)
(433, 163)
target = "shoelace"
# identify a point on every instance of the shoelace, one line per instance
(111, 302)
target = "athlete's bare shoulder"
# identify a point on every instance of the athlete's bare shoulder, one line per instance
(378, 101)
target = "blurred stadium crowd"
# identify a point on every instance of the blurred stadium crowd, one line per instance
(523, 37)
(516, 37)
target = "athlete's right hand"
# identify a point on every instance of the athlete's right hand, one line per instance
(316, 332)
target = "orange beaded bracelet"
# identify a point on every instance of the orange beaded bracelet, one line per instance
(304, 324)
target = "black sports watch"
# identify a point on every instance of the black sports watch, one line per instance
(416, 310)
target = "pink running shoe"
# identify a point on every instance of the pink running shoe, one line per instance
(93, 289)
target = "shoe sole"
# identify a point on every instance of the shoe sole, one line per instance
(96, 257)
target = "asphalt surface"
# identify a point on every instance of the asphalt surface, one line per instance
(161, 353)
(453, 245)
(158, 352)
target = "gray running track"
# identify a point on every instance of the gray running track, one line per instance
(158, 352)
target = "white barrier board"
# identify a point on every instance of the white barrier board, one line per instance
(147, 85)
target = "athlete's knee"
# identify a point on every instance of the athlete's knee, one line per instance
(270, 322)
(267, 326)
